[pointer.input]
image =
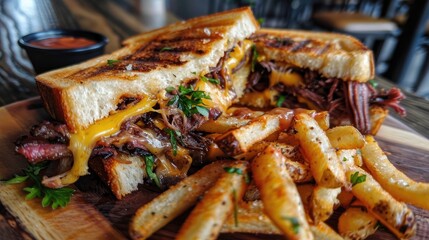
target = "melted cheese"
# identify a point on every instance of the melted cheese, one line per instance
(83, 141)
(220, 98)
(237, 54)
(291, 79)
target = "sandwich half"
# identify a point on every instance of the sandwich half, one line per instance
(131, 114)
(320, 71)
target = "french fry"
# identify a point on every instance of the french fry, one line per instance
(345, 137)
(322, 231)
(300, 172)
(251, 219)
(279, 194)
(396, 216)
(206, 219)
(305, 191)
(377, 115)
(222, 124)
(391, 179)
(357, 223)
(345, 197)
(322, 203)
(177, 199)
(317, 149)
(348, 157)
(241, 139)
(287, 150)
(322, 118)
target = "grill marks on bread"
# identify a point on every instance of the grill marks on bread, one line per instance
(298, 44)
(161, 52)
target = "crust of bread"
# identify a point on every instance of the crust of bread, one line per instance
(122, 173)
(81, 94)
(332, 55)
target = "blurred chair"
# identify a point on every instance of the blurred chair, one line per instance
(271, 13)
(363, 19)
(410, 68)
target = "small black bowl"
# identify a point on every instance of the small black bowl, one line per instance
(45, 59)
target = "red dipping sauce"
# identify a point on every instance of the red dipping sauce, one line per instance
(63, 42)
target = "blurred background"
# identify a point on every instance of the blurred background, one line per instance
(396, 30)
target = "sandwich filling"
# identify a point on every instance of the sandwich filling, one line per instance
(277, 83)
(162, 133)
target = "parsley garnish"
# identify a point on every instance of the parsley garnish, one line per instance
(188, 100)
(254, 57)
(234, 195)
(149, 161)
(280, 100)
(373, 83)
(345, 159)
(261, 21)
(166, 49)
(294, 222)
(195, 73)
(112, 62)
(356, 179)
(233, 170)
(50, 197)
(173, 134)
(237, 171)
(211, 80)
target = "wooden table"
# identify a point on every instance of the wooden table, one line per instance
(116, 19)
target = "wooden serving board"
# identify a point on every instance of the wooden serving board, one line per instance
(94, 213)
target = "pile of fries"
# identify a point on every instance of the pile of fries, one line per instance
(286, 173)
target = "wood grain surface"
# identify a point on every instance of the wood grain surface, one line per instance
(94, 213)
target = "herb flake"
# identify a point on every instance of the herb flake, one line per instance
(150, 162)
(345, 159)
(112, 62)
(55, 198)
(255, 56)
(294, 223)
(281, 99)
(210, 80)
(166, 49)
(173, 138)
(356, 179)
(238, 171)
(373, 83)
(190, 101)
(233, 170)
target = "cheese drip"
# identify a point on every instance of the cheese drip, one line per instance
(222, 98)
(237, 54)
(83, 141)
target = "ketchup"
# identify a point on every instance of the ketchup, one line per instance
(63, 42)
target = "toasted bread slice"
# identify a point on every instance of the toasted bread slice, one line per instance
(332, 55)
(81, 94)
(122, 173)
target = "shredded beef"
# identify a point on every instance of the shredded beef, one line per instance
(51, 131)
(47, 141)
(37, 150)
(391, 99)
(125, 101)
(258, 80)
(358, 101)
(347, 102)
(243, 61)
